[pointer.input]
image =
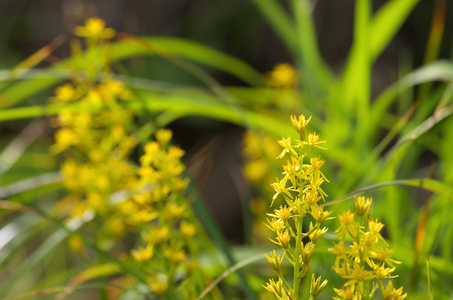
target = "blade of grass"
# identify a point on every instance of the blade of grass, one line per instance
(176, 104)
(230, 270)
(30, 184)
(193, 51)
(419, 243)
(127, 48)
(64, 229)
(380, 30)
(213, 230)
(312, 66)
(432, 185)
(439, 70)
(37, 57)
(428, 274)
(14, 150)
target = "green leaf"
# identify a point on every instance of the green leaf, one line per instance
(435, 71)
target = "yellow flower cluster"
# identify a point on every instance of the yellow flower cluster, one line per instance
(365, 262)
(259, 151)
(96, 144)
(301, 190)
(164, 221)
(149, 200)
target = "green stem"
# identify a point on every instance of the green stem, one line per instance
(297, 250)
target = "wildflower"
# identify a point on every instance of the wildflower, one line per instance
(65, 93)
(316, 285)
(383, 255)
(319, 214)
(75, 243)
(283, 75)
(276, 288)
(95, 28)
(280, 188)
(362, 206)
(276, 225)
(287, 147)
(163, 136)
(317, 233)
(301, 189)
(307, 251)
(381, 272)
(347, 225)
(346, 293)
(284, 213)
(159, 287)
(314, 142)
(283, 239)
(187, 229)
(291, 170)
(390, 293)
(65, 138)
(275, 261)
(175, 256)
(173, 210)
(143, 254)
(358, 274)
(299, 124)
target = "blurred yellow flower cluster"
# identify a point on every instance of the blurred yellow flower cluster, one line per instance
(149, 201)
(301, 190)
(164, 220)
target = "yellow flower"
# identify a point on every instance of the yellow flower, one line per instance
(314, 142)
(163, 136)
(143, 254)
(283, 75)
(307, 251)
(284, 213)
(159, 287)
(390, 293)
(362, 206)
(347, 225)
(95, 28)
(65, 138)
(283, 239)
(187, 229)
(75, 243)
(173, 210)
(316, 285)
(280, 188)
(383, 255)
(277, 289)
(287, 147)
(275, 261)
(299, 124)
(143, 216)
(358, 274)
(346, 294)
(65, 93)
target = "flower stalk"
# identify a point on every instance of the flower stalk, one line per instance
(301, 190)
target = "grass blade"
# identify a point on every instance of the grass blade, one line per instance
(428, 184)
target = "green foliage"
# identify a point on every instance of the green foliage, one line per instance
(378, 145)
